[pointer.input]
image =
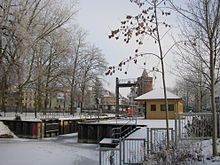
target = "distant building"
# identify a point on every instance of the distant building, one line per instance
(144, 83)
(55, 101)
(28, 99)
(108, 101)
(11, 97)
(155, 104)
(58, 101)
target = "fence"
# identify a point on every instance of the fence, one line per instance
(128, 151)
(109, 156)
(157, 140)
(188, 126)
(124, 130)
(134, 151)
(194, 126)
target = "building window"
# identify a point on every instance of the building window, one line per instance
(163, 107)
(153, 107)
(171, 107)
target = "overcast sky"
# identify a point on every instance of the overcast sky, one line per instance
(98, 17)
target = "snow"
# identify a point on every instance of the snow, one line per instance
(66, 150)
(60, 116)
(207, 152)
(106, 141)
(206, 148)
(4, 130)
(141, 133)
(59, 150)
(140, 121)
(157, 94)
(156, 123)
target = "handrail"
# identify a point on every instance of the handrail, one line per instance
(120, 130)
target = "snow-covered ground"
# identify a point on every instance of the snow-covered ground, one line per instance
(202, 147)
(61, 150)
(140, 121)
(206, 146)
(65, 150)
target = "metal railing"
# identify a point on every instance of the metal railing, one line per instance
(194, 126)
(134, 151)
(119, 132)
(109, 156)
(157, 139)
(121, 153)
(129, 151)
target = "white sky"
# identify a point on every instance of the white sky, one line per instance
(98, 17)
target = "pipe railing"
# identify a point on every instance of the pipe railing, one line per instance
(118, 132)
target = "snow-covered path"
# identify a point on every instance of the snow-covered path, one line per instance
(61, 150)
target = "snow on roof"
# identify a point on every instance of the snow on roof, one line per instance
(157, 94)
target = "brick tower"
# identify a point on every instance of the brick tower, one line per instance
(144, 83)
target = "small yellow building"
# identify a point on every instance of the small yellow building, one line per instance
(155, 104)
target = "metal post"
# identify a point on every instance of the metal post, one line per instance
(179, 127)
(123, 151)
(117, 97)
(176, 130)
(100, 157)
(218, 125)
(151, 139)
(120, 151)
(145, 158)
(148, 141)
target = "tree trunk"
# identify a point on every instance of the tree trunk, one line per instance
(35, 104)
(72, 100)
(20, 98)
(82, 98)
(3, 97)
(73, 87)
(214, 114)
(163, 75)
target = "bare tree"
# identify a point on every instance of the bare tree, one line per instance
(149, 22)
(190, 70)
(202, 18)
(54, 49)
(92, 66)
(195, 96)
(8, 45)
(78, 47)
(28, 22)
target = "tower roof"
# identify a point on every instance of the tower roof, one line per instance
(144, 74)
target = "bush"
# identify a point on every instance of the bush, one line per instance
(186, 153)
